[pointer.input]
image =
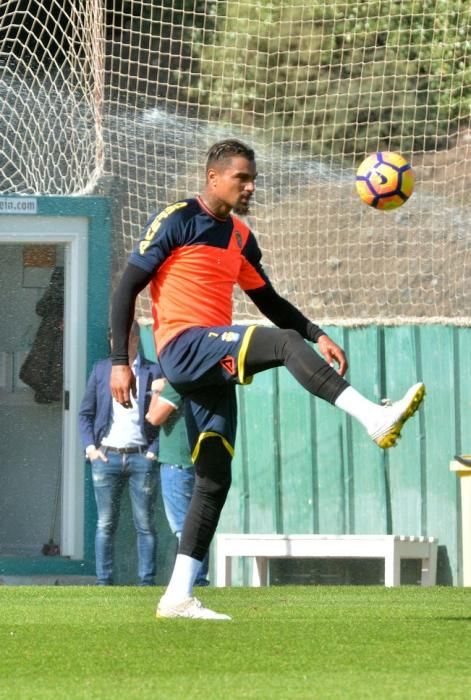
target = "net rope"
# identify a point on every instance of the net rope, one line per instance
(126, 97)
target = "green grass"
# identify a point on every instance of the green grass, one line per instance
(284, 642)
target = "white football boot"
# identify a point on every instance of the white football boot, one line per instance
(395, 414)
(189, 608)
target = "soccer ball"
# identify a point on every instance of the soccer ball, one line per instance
(385, 180)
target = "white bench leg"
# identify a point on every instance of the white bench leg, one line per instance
(260, 571)
(392, 566)
(223, 570)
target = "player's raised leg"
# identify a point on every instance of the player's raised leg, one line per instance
(383, 423)
(270, 347)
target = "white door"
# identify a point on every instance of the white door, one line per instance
(43, 274)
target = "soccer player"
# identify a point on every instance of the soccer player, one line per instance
(192, 254)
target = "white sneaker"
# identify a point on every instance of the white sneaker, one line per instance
(191, 608)
(395, 414)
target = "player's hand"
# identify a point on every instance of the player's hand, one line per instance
(333, 354)
(123, 384)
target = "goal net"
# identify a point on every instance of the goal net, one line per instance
(126, 97)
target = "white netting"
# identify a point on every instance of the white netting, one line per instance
(139, 90)
(51, 77)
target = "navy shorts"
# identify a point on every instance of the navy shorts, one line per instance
(204, 365)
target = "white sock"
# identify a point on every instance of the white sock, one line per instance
(356, 405)
(183, 576)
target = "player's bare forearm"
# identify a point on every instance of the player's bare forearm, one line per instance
(333, 354)
(159, 410)
(122, 384)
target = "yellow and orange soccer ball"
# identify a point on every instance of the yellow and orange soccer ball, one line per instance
(385, 180)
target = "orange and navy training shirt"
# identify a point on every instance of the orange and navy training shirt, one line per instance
(196, 259)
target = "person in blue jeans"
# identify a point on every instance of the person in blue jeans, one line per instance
(121, 446)
(177, 473)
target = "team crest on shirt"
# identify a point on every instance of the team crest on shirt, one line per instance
(230, 336)
(229, 364)
(238, 237)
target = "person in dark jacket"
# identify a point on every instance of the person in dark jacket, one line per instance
(121, 446)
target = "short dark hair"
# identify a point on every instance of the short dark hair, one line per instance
(227, 149)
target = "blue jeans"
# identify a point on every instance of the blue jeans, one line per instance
(109, 479)
(177, 485)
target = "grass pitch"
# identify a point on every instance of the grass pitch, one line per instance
(284, 642)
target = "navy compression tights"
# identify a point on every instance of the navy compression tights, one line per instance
(273, 347)
(268, 348)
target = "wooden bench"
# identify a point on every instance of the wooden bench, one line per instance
(391, 548)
